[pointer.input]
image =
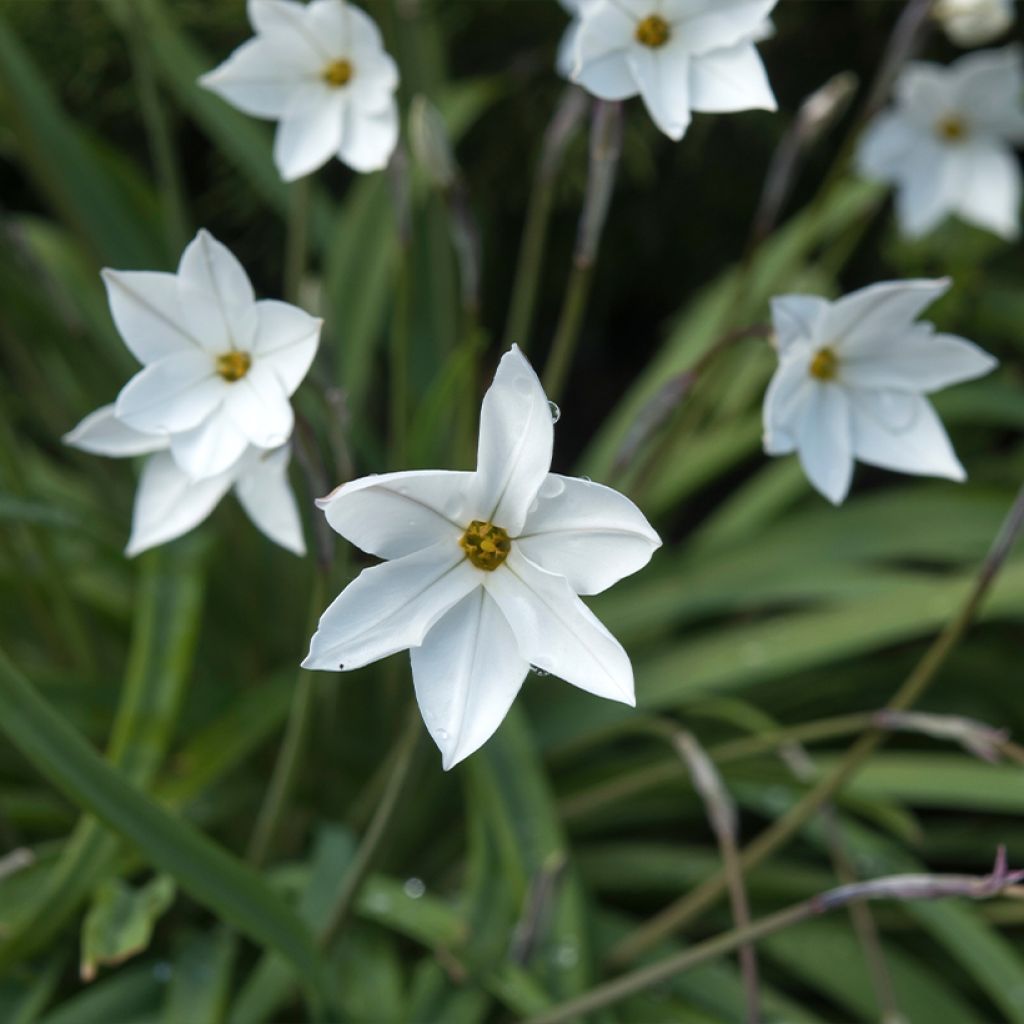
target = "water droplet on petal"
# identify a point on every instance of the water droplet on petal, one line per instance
(586, 480)
(442, 735)
(537, 670)
(556, 413)
(453, 507)
(552, 487)
(414, 888)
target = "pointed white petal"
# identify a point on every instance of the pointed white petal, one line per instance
(565, 60)
(169, 504)
(399, 513)
(723, 81)
(663, 75)
(343, 27)
(590, 534)
(991, 193)
(147, 311)
(259, 407)
(824, 443)
(466, 673)
(175, 393)
(372, 87)
(921, 446)
(267, 497)
(706, 25)
(391, 607)
(604, 29)
(285, 340)
(369, 139)
(785, 400)
(886, 146)
(307, 140)
(210, 448)
(884, 309)
(514, 451)
(796, 317)
(924, 91)
(557, 632)
(928, 188)
(210, 266)
(102, 433)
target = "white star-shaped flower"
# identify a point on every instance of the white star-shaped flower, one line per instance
(168, 503)
(218, 365)
(851, 383)
(483, 572)
(679, 55)
(974, 22)
(320, 70)
(947, 144)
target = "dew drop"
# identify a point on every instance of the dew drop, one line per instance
(414, 888)
(586, 480)
(552, 487)
(537, 670)
(442, 734)
(556, 413)
(453, 507)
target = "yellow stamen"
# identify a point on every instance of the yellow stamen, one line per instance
(824, 365)
(485, 544)
(653, 31)
(951, 128)
(338, 73)
(233, 366)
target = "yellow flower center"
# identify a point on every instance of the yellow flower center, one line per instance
(653, 31)
(951, 128)
(485, 544)
(824, 365)
(233, 366)
(338, 73)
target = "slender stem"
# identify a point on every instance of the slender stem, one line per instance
(605, 149)
(677, 914)
(902, 888)
(559, 134)
(400, 335)
(296, 245)
(289, 756)
(401, 762)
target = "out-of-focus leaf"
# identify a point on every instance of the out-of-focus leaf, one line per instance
(124, 996)
(200, 978)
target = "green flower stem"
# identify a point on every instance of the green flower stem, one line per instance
(296, 246)
(605, 149)
(289, 756)
(678, 914)
(559, 134)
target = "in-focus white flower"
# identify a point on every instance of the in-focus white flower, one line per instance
(320, 70)
(168, 503)
(483, 572)
(974, 22)
(218, 365)
(947, 143)
(679, 55)
(851, 383)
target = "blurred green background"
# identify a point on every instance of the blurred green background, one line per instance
(501, 887)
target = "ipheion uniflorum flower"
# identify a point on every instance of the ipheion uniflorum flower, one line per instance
(483, 571)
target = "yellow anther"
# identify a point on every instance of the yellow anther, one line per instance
(234, 366)
(338, 73)
(951, 128)
(824, 365)
(653, 31)
(485, 544)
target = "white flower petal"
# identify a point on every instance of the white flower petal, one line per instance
(267, 497)
(706, 25)
(887, 309)
(259, 407)
(169, 504)
(609, 77)
(797, 317)
(728, 80)
(924, 91)
(344, 28)
(373, 84)
(285, 340)
(516, 438)
(824, 444)
(210, 447)
(399, 513)
(974, 22)
(989, 85)
(102, 433)
(391, 607)
(604, 29)
(663, 75)
(917, 360)
(789, 391)
(557, 632)
(928, 188)
(565, 60)
(921, 447)
(174, 393)
(210, 266)
(588, 533)
(466, 673)
(306, 141)
(369, 139)
(147, 312)
(886, 146)
(991, 192)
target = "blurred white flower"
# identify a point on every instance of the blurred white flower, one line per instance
(679, 55)
(321, 71)
(218, 366)
(947, 143)
(168, 503)
(484, 571)
(851, 382)
(974, 22)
